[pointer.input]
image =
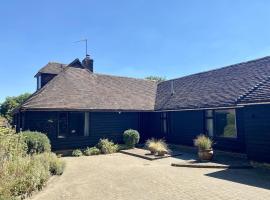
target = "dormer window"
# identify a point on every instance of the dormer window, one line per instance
(38, 82)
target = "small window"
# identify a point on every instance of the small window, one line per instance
(164, 122)
(209, 113)
(39, 82)
(209, 122)
(225, 123)
(210, 127)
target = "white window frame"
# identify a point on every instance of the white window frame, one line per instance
(86, 124)
(38, 82)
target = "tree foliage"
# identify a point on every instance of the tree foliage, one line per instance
(10, 103)
(156, 78)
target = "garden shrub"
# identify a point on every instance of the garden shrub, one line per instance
(11, 145)
(131, 137)
(77, 153)
(89, 151)
(36, 142)
(22, 173)
(106, 146)
(22, 176)
(56, 165)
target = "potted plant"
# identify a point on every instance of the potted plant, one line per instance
(205, 150)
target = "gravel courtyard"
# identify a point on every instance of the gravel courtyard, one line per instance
(119, 176)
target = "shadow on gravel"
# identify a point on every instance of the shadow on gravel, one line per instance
(254, 177)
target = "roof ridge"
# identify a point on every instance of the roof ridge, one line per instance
(252, 89)
(55, 62)
(117, 76)
(219, 68)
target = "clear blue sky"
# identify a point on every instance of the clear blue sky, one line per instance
(129, 38)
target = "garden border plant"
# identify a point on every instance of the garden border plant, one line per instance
(131, 138)
(157, 146)
(22, 173)
(107, 146)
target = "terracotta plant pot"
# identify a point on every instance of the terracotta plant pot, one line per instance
(205, 155)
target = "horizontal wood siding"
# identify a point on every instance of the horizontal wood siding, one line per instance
(257, 129)
(233, 144)
(102, 125)
(185, 126)
(150, 125)
(112, 125)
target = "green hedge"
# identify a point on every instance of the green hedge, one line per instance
(36, 142)
(131, 138)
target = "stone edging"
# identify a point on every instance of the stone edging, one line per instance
(212, 166)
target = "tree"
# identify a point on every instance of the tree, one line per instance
(10, 103)
(156, 78)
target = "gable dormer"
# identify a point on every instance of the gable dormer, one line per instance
(47, 73)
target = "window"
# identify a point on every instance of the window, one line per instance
(225, 123)
(39, 82)
(221, 123)
(164, 122)
(70, 124)
(62, 125)
(76, 124)
(209, 122)
(86, 124)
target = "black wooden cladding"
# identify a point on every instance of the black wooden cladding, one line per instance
(45, 78)
(112, 125)
(257, 132)
(109, 125)
(151, 126)
(185, 126)
(253, 128)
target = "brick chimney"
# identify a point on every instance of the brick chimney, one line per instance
(87, 62)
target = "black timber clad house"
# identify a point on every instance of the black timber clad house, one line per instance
(76, 107)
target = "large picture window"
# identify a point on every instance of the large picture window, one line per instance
(225, 123)
(221, 123)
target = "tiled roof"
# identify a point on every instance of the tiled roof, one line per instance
(260, 93)
(52, 68)
(216, 88)
(76, 88)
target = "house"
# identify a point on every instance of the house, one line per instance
(76, 107)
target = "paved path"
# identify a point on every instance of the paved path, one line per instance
(122, 177)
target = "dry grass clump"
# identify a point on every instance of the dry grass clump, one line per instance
(158, 147)
(203, 142)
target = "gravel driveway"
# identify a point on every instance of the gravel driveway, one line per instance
(119, 176)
